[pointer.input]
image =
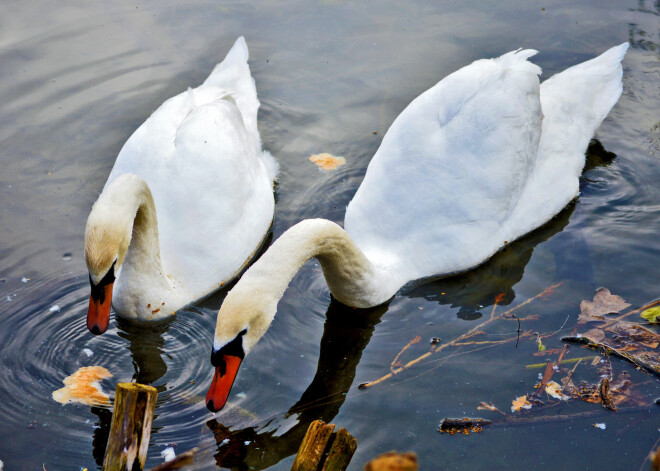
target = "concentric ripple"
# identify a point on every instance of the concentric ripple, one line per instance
(52, 342)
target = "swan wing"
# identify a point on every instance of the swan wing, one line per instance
(450, 170)
(233, 74)
(211, 182)
(574, 104)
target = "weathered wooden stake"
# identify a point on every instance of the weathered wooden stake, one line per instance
(655, 460)
(324, 449)
(130, 430)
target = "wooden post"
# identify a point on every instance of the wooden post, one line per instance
(130, 430)
(325, 450)
(655, 460)
(340, 452)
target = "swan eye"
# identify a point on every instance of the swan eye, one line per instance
(98, 293)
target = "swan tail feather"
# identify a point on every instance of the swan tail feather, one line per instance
(586, 93)
(574, 103)
(518, 60)
(233, 74)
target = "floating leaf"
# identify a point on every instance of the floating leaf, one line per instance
(327, 162)
(520, 403)
(603, 303)
(83, 386)
(554, 390)
(652, 314)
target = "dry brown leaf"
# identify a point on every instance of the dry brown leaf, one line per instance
(603, 303)
(595, 334)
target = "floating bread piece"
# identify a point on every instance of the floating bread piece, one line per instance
(327, 162)
(83, 387)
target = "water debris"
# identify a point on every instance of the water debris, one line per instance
(603, 303)
(468, 338)
(553, 389)
(652, 314)
(520, 403)
(54, 308)
(465, 425)
(168, 454)
(490, 407)
(326, 161)
(177, 462)
(88, 352)
(393, 461)
(83, 387)
(630, 342)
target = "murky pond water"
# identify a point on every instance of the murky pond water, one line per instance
(77, 78)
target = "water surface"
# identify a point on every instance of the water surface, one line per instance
(76, 81)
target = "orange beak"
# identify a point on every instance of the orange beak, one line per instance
(223, 379)
(98, 313)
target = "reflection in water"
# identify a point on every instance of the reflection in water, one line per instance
(346, 333)
(146, 344)
(101, 433)
(479, 287)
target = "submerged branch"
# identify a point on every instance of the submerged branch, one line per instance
(461, 340)
(638, 361)
(527, 420)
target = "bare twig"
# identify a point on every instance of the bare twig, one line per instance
(395, 362)
(533, 420)
(460, 341)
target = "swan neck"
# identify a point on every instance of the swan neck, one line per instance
(351, 277)
(123, 226)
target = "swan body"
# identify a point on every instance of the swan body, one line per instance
(477, 161)
(188, 201)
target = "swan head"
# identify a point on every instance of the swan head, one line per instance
(106, 243)
(244, 318)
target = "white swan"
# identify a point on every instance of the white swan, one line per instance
(477, 161)
(197, 164)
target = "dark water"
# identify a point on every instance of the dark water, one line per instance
(75, 81)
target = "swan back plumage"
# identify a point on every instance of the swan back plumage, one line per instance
(450, 170)
(200, 154)
(479, 160)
